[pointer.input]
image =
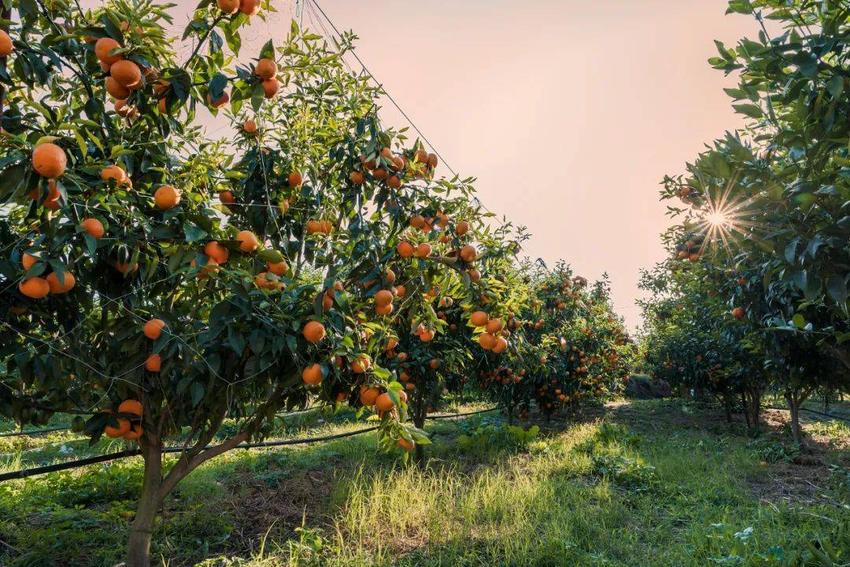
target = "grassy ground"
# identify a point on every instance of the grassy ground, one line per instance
(639, 483)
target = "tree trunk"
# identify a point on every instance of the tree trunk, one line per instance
(794, 401)
(727, 407)
(754, 401)
(419, 413)
(141, 532)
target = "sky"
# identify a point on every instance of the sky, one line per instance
(568, 112)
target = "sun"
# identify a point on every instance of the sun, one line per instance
(718, 218)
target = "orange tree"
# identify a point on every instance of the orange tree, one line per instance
(697, 336)
(159, 282)
(779, 189)
(570, 345)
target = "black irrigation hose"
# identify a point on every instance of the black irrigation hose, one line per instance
(69, 464)
(33, 432)
(829, 415)
(451, 415)
(24, 473)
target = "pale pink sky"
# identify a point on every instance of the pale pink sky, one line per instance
(568, 112)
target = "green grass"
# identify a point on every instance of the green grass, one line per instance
(644, 483)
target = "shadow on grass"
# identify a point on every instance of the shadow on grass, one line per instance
(637, 484)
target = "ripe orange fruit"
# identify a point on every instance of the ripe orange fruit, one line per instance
(405, 249)
(6, 46)
(247, 241)
(361, 364)
(738, 313)
(270, 87)
(384, 403)
(28, 261)
(468, 253)
(383, 297)
(380, 174)
(400, 291)
(127, 73)
(394, 182)
(249, 126)
(312, 375)
(426, 336)
(384, 309)
(49, 160)
(266, 68)
(295, 179)
(125, 268)
(226, 197)
(161, 86)
(494, 326)
(357, 178)
(123, 109)
(219, 102)
(116, 174)
(462, 228)
(474, 275)
(423, 250)
(432, 160)
(417, 221)
(392, 342)
(249, 7)
(228, 6)
(166, 197)
(207, 270)
(313, 331)
(135, 432)
(434, 364)
(277, 268)
(479, 318)
(131, 406)
(120, 430)
(487, 341)
(116, 89)
(500, 345)
(34, 288)
(102, 48)
(389, 275)
(153, 328)
(59, 287)
(153, 363)
(216, 251)
(368, 395)
(405, 444)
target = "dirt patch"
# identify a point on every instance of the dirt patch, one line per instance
(276, 505)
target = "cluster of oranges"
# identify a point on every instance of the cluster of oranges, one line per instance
(690, 250)
(374, 397)
(247, 7)
(37, 287)
(319, 226)
(491, 338)
(384, 302)
(152, 329)
(129, 421)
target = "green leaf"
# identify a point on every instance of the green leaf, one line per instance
(197, 393)
(270, 255)
(836, 286)
(267, 52)
(750, 110)
(835, 86)
(193, 232)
